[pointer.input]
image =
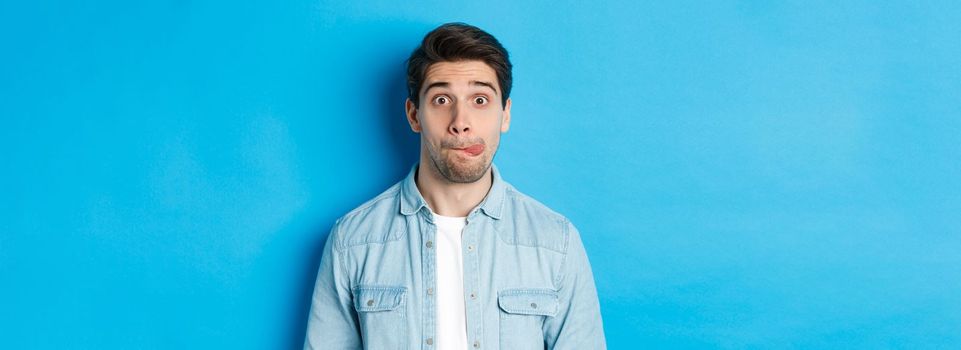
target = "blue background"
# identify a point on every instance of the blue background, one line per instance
(744, 174)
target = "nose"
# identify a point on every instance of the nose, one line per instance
(459, 124)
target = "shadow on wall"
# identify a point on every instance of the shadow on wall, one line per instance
(391, 76)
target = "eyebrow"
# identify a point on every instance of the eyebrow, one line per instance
(472, 82)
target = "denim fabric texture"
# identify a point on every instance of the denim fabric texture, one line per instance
(527, 280)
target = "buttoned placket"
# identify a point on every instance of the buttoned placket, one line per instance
(428, 264)
(472, 283)
(474, 316)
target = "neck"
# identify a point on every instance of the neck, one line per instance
(450, 198)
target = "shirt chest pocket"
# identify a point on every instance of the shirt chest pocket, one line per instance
(522, 315)
(381, 312)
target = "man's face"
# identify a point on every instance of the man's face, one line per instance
(460, 118)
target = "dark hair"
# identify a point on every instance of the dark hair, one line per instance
(453, 42)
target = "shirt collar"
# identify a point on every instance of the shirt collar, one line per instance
(412, 202)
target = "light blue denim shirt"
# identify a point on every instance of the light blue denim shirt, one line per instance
(527, 281)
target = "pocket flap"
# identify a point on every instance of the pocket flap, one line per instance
(373, 299)
(541, 302)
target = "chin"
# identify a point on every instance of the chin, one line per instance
(468, 170)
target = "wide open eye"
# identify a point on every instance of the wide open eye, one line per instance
(481, 100)
(441, 100)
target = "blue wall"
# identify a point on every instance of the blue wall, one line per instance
(745, 174)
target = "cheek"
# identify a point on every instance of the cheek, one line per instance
(431, 129)
(434, 123)
(493, 141)
(494, 129)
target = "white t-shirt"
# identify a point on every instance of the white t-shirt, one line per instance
(451, 310)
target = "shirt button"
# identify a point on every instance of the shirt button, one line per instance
(470, 247)
(473, 295)
(370, 302)
(430, 244)
(430, 341)
(533, 305)
(477, 344)
(430, 291)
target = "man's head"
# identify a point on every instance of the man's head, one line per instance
(459, 83)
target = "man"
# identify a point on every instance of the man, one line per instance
(453, 257)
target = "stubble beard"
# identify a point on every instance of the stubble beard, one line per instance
(458, 169)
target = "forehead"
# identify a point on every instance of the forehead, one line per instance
(460, 73)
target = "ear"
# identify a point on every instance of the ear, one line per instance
(412, 118)
(506, 122)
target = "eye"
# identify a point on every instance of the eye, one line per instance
(441, 100)
(481, 100)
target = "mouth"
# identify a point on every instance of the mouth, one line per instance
(473, 150)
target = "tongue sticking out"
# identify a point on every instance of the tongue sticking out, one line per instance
(475, 149)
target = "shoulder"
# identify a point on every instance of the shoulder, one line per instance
(374, 221)
(524, 204)
(532, 223)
